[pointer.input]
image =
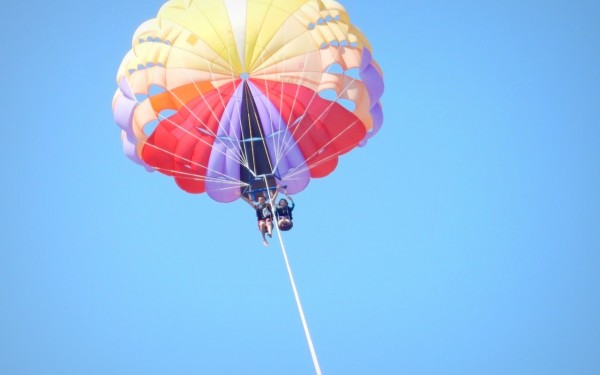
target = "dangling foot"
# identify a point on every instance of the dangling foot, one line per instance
(270, 235)
(265, 243)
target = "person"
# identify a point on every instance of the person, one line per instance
(264, 215)
(283, 212)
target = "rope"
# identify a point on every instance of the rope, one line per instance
(311, 347)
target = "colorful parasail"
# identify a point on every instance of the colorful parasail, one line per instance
(231, 96)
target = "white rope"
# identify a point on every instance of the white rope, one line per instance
(311, 347)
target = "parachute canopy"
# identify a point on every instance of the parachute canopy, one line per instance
(220, 93)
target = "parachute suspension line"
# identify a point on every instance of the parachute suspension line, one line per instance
(237, 153)
(170, 121)
(285, 147)
(299, 169)
(200, 178)
(210, 63)
(311, 347)
(295, 140)
(242, 156)
(279, 138)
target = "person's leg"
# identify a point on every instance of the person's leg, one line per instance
(270, 228)
(263, 229)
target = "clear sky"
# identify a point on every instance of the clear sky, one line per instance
(464, 239)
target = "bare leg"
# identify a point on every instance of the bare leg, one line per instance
(262, 233)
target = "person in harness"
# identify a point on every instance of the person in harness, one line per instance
(283, 212)
(264, 215)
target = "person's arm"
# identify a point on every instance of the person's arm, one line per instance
(249, 201)
(274, 196)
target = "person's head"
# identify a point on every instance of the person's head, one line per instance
(283, 202)
(285, 224)
(261, 199)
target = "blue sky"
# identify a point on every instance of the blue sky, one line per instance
(464, 239)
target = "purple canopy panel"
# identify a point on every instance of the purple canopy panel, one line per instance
(129, 148)
(377, 114)
(374, 83)
(125, 105)
(125, 89)
(223, 174)
(296, 175)
(123, 114)
(371, 78)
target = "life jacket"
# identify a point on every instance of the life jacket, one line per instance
(284, 212)
(263, 211)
